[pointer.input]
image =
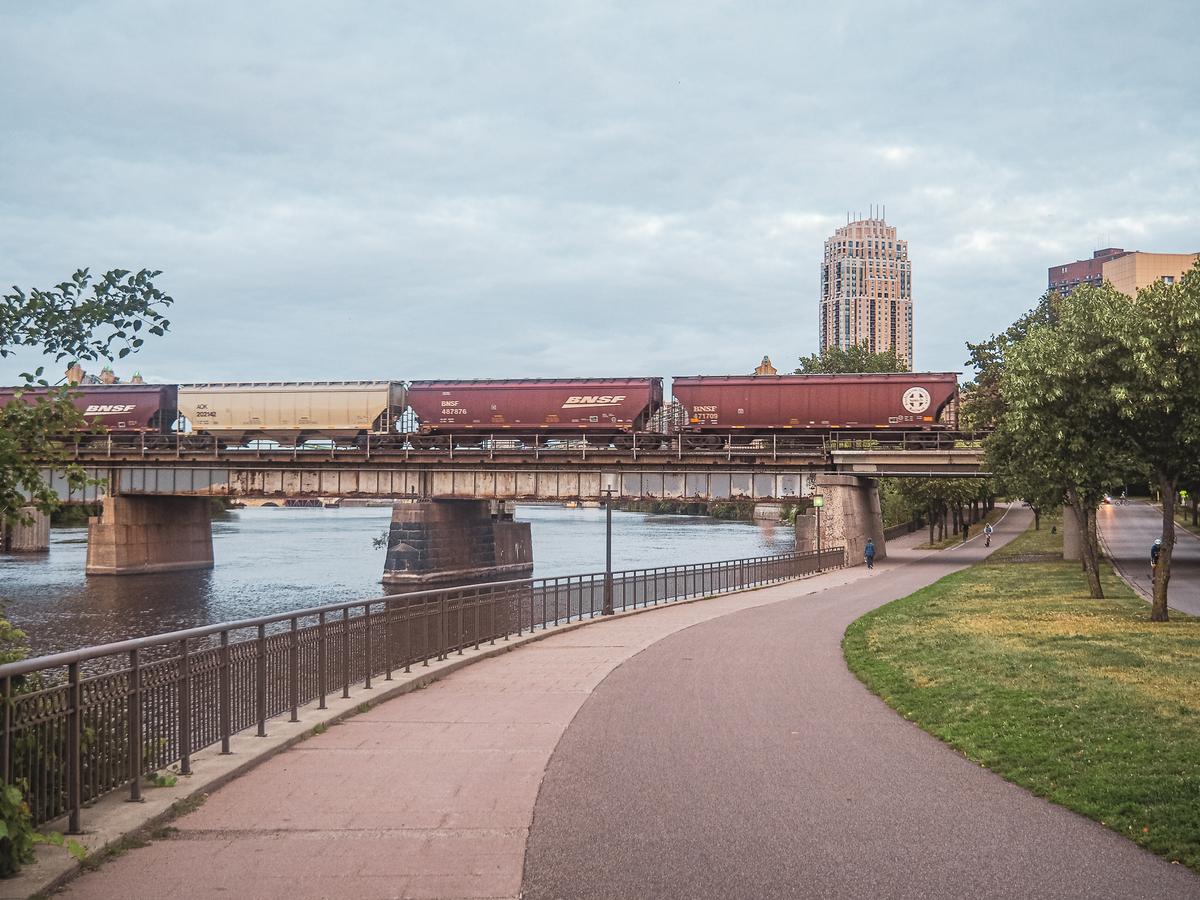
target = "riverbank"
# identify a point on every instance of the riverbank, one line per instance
(1084, 702)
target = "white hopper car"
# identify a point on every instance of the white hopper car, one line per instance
(292, 412)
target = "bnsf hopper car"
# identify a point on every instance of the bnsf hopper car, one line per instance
(598, 406)
(147, 408)
(773, 403)
(292, 412)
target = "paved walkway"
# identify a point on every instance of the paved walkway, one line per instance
(740, 758)
(428, 795)
(1129, 530)
(712, 749)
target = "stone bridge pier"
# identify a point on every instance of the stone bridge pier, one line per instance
(851, 514)
(30, 536)
(136, 535)
(440, 543)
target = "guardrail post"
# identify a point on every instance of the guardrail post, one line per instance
(260, 681)
(74, 748)
(322, 660)
(294, 671)
(225, 699)
(134, 723)
(185, 709)
(367, 644)
(389, 643)
(441, 627)
(346, 653)
(6, 747)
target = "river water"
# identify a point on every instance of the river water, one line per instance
(271, 560)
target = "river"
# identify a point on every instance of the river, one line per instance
(271, 560)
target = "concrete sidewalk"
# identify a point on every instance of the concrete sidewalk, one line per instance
(427, 795)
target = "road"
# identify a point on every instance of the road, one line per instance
(1128, 531)
(740, 758)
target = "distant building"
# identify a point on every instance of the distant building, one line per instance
(1133, 271)
(765, 367)
(1067, 277)
(866, 290)
(1127, 270)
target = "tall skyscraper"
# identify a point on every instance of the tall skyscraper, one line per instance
(866, 290)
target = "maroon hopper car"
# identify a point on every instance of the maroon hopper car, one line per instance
(604, 405)
(116, 407)
(916, 400)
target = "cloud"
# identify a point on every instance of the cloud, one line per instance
(376, 190)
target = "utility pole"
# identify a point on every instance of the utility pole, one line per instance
(608, 579)
(818, 501)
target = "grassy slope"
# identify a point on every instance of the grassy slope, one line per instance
(1084, 702)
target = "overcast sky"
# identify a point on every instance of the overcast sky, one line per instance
(416, 190)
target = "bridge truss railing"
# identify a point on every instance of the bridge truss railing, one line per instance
(889, 440)
(80, 725)
(501, 445)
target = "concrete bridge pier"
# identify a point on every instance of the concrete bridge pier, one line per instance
(442, 543)
(33, 537)
(144, 534)
(851, 514)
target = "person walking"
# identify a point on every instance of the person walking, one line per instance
(966, 531)
(987, 535)
(869, 553)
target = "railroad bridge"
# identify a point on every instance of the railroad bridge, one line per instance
(451, 518)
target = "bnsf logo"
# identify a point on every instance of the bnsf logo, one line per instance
(107, 409)
(603, 400)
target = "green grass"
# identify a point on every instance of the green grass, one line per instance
(1084, 702)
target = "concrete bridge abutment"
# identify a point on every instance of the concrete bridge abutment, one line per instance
(137, 535)
(851, 514)
(444, 543)
(30, 536)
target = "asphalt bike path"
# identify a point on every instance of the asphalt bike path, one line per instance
(1127, 531)
(741, 758)
(430, 794)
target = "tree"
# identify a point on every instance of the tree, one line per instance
(984, 404)
(1060, 426)
(77, 319)
(859, 358)
(1158, 399)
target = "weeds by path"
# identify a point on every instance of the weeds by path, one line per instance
(1084, 702)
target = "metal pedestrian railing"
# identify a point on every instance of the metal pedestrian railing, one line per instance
(83, 724)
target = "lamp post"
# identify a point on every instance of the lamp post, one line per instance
(608, 579)
(818, 501)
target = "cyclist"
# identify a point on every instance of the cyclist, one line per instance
(1154, 548)
(987, 535)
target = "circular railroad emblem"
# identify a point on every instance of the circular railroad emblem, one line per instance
(916, 400)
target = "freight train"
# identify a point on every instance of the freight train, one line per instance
(734, 408)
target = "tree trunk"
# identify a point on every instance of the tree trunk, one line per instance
(931, 538)
(1195, 510)
(1037, 518)
(1087, 543)
(1162, 572)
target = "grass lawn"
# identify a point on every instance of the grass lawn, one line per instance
(1084, 702)
(954, 538)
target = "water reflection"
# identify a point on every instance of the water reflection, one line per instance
(275, 560)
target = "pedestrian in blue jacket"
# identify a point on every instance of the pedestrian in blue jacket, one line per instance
(869, 553)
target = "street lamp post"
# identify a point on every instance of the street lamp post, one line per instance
(818, 501)
(608, 579)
